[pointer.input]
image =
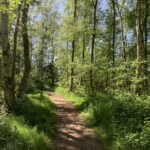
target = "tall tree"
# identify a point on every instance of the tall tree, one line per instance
(139, 46)
(52, 64)
(27, 64)
(7, 56)
(123, 41)
(15, 45)
(95, 4)
(84, 37)
(146, 4)
(114, 31)
(73, 46)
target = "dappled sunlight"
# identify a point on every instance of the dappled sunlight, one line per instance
(72, 133)
(31, 125)
(38, 112)
(18, 135)
(95, 54)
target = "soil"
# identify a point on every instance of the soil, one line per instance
(72, 132)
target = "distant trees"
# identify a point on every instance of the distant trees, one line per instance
(111, 45)
(46, 43)
(92, 47)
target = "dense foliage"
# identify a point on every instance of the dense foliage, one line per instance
(30, 126)
(120, 119)
(97, 49)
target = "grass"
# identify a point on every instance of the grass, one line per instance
(86, 105)
(31, 125)
(77, 100)
(121, 120)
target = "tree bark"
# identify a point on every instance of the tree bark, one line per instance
(7, 57)
(27, 64)
(113, 40)
(52, 69)
(114, 32)
(15, 46)
(73, 48)
(41, 59)
(84, 40)
(95, 4)
(83, 57)
(146, 44)
(139, 47)
(123, 41)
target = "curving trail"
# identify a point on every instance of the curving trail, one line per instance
(72, 133)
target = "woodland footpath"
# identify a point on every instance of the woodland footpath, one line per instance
(93, 53)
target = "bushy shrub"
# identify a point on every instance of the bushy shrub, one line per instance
(38, 111)
(124, 118)
(131, 125)
(16, 134)
(121, 119)
(30, 126)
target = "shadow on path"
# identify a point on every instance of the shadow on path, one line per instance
(72, 133)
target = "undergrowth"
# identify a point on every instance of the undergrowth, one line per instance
(121, 120)
(31, 125)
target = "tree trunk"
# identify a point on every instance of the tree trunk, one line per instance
(68, 69)
(72, 66)
(52, 69)
(146, 45)
(139, 47)
(15, 46)
(73, 47)
(113, 40)
(83, 58)
(122, 33)
(84, 41)
(7, 58)
(27, 64)
(41, 60)
(114, 32)
(93, 44)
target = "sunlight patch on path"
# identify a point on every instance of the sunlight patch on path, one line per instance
(72, 133)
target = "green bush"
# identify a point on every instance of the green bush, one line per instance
(131, 125)
(122, 120)
(19, 136)
(38, 111)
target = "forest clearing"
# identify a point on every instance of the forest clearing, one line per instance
(74, 75)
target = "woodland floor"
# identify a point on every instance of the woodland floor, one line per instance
(72, 132)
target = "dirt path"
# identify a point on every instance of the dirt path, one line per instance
(72, 133)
